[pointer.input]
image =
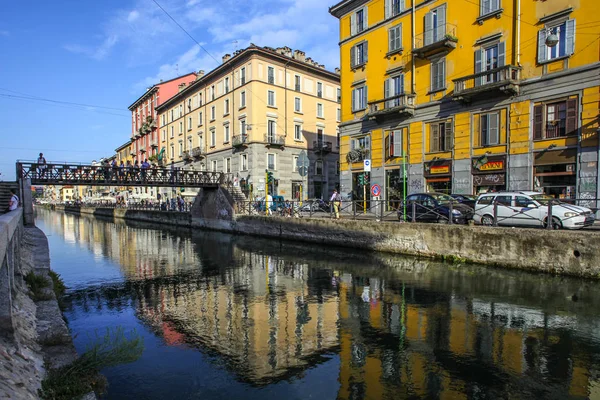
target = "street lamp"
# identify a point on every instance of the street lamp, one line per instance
(551, 38)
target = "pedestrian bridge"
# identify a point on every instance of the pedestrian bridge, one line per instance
(65, 173)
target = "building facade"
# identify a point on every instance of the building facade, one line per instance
(470, 96)
(257, 112)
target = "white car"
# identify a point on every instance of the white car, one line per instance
(530, 209)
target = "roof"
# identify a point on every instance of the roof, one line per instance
(243, 55)
(154, 88)
(343, 7)
(123, 146)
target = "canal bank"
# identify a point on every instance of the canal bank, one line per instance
(572, 253)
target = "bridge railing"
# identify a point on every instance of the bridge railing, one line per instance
(87, 174)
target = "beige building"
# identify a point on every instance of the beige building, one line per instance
(258, 111)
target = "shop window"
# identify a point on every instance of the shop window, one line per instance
(556, 119)
(440, 136)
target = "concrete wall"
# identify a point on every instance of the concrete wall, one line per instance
(11, 233)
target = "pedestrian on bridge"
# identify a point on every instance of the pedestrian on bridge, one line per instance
(145, 166)
(129, 170)
(121, 171)
(42, 165)
(13, 202)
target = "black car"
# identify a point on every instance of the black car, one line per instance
(435, 207)
(467, 199)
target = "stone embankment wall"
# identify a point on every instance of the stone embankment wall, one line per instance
(574, 253)
(32, 334)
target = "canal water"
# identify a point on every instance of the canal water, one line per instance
(232, 317)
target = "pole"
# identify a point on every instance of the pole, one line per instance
(364, 194)
(404, 185)
(266, 192)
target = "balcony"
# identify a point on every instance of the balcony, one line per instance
(186, 155)
(197, 152)
(132, 153)
(322, 147)
(358, 155)
(239, 140)
(154, 144)
(503, 79)
(400, 105)
(272, 140)
(434, 41)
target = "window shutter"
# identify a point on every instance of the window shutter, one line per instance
(353, 99)
(501, 54)
(538, 121)
(402, 5)
(392, 39)
(542, 49)
(493, 128)
(398, 138)
(388, 6)
(442, 74)
(401, 85)
(353, 24)
(441, 24)
(448, 136)
(365, 52)
(570, 39)
(428, 28)
(386, 92)
(365, 97)
(485, 7)
(399, 37)
(388, 145)
(365, 18)
(478, 65)
(435, 137)
(352, 56)
(572, 117)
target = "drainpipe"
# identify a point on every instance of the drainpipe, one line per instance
(412, 74)
(285, 90)
(518, 33)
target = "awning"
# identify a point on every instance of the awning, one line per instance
(552, 157)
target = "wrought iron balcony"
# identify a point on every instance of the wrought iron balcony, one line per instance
(435, 41)
(197, 152)
(274, 140)
(320, 146)
(402, 104)
(503, 79)
(239, 140)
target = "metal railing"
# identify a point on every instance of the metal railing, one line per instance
(485, 79)
(171, 206)
(401, 101)
(239, 140)
(437, 35)
(275, 140)
(319, 145)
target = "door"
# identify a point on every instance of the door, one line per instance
(490, 62)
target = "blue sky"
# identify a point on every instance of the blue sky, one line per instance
(105, 53)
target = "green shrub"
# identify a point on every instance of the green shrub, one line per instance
(37, 284)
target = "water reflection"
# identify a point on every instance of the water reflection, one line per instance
(400, 327)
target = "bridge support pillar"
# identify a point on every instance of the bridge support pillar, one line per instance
(213, 203)
(27, 201)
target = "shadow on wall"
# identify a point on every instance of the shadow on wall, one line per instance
(214, 203)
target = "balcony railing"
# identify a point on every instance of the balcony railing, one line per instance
(435, 40)
(197, 152)
(239, 140)
(154, 143)
(358, 155)
(321, 146)
(186, 155)
(274, 140)
(399, 104)
(505, 79)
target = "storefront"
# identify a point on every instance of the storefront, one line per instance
(555, 172)
(394, 183)
(438, 176)
(489, 174)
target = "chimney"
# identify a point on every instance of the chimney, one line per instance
(337, 71)
(287, 52)
(308, 60)
(226, 58)
(200, 74)
(299, 55)
(280, 50)
(181, 86)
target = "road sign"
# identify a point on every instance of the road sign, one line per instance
(367, 165)
(375, 190)
(303, 171)
(302, 163)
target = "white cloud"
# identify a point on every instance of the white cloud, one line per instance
(4, 33)
(133, 15)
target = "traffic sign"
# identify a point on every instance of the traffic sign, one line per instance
(375, 190)
(367, 165)
(302, 163)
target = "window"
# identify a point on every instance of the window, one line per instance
(243, 76)
(504, 200)
(438, 74)
(393, 7)
(320, 110)
(440, 136)
(243, 99)
(214, 165)
(487, 59)
(172, 119)
(489, 6)
(271, 75)
(435, 25)
(180, 111)
(226, 85)
(298, 132)
(200, 119)
(189, 143)
(359, 98)
(226, 107)
(271, 129)
(172, 151)
(227, 163)
(337, 167)
(212, 92)
(180, 127)
(392, 88)
(172, 131)
(555, 119)
(320, 137)
(213, 113)
(271, 161)
(361, 143)
(271, 98)
(358, 21)
(395, 38)
(566, 41)
(295, 164)
(319, 89)
(199, 99)
(358, 54)
(189, 105)
(338, 117)
(243, 162)
(243, 126)
(337, 135)
(213, 137)
(226, 133)
(393, 144)
(489, 129)
(318, 167)
(339, 95)
(164, 135)
(522, 201)
(297, 83)
(297, 104)
(180, 148)
(189, 124)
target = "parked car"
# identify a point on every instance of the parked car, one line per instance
(277, 203)
(315, 205)
(435, 207)
(467, 199)
(530, 209)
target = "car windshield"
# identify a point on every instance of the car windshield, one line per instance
(442, 198)
(542, 198)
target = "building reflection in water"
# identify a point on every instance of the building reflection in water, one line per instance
(402, 328)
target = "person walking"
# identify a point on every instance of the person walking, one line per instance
(13, 202)
(145, 166)
(121, 171)
(336, 199)
(41, 165)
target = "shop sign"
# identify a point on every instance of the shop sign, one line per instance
(442, 169)
(492, 166)
(486, 164)
(438, 168)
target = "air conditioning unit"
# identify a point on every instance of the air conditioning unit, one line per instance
(570, 167)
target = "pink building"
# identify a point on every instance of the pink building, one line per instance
(144, 119)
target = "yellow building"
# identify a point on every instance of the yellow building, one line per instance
(66, 193)
(257, 111)
(474, 95)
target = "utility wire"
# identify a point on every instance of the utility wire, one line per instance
(29, 97)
